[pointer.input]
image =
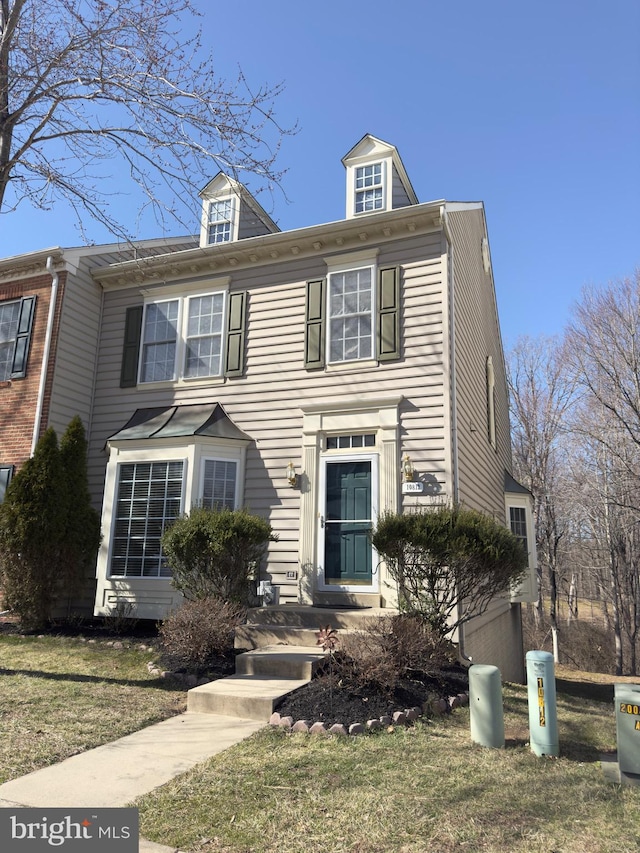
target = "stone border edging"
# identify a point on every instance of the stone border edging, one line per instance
(398, 718)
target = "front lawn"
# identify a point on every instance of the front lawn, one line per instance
(426, 788)
(62, 695)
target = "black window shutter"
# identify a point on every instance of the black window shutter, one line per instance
(236, 327)
(23, 337)
(314, 341)
(388, 343)
(131, 347)
(6, 472)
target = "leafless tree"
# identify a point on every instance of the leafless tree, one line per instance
(99, 95)
(541, 392)
(603, 348)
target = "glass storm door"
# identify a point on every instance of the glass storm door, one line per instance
(347, 521)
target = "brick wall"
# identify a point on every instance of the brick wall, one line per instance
(18, 397)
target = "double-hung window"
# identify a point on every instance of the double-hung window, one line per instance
(518, 524)
(369, 188)
(219, 483)
(9, 313)
(182, 338)
(16, 321)
(220, 220)
(351, 314)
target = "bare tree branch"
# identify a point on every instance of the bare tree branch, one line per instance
(92, 90)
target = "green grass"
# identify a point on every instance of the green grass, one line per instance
(60, 696)
(412, 790)
(426, 788)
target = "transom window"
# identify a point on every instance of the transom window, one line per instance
(340, 442)
(149, 499)
(219, 484)
(9, 315)
(220, 220)
(369, 188)
(182, 338)
(350, 313)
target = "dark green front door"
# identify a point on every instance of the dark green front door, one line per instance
(347, 547)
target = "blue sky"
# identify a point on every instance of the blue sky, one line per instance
(532, 108)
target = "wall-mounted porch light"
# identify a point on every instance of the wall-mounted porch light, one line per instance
(292, 477)
(407, 469)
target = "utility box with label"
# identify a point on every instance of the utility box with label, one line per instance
(543, 712)
(627, 700)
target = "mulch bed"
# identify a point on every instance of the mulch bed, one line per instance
(324, 700)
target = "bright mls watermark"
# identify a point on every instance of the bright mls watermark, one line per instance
(69, 830)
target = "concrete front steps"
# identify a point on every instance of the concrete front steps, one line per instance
(263, 677)
(283, 654)
(299, 624)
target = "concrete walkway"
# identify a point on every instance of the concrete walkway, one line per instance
(219, 715)
(117, 773)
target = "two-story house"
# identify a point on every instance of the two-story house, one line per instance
(318, 377)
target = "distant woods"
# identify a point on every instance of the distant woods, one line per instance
(575, 420)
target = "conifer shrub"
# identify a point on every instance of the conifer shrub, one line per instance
(49, 532)
(33, 520)
(82, 529)
(448, 562)
(199, 635)
(217, 553)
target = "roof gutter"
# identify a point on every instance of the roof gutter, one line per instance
(45, 354)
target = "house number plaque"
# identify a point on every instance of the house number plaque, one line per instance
(412, 488)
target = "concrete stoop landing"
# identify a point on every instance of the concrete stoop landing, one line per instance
(283, 654)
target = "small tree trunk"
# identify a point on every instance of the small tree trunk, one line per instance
(572, 602)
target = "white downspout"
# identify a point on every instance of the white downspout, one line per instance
(462, 655)
(45, 354)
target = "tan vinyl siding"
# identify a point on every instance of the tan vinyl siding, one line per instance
(481, 467)
(250, 225)
(399, 197)
(76, 350)
(267, 401)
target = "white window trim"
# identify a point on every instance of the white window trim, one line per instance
(387, 190)
(356, 262)
(219, 457)
(152, 596)
(326, 458)
(183, 299)
(382, 185)
(233, 219)
(205, 221)
(491, 402)
(527, 591)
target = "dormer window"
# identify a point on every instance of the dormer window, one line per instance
(376, 179)
(229, 212)
(369, 191)
(220, 220)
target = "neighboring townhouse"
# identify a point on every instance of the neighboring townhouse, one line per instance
(50, 314)
(318, 377)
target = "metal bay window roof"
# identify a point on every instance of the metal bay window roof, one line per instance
(204, 419)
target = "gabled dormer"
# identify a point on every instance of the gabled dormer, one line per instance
(230, 212)
(376, 178)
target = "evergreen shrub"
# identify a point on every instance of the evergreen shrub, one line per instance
(217, 553)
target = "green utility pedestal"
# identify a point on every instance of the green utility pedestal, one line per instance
(627, 700)
(543, 712)
(485, 705)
